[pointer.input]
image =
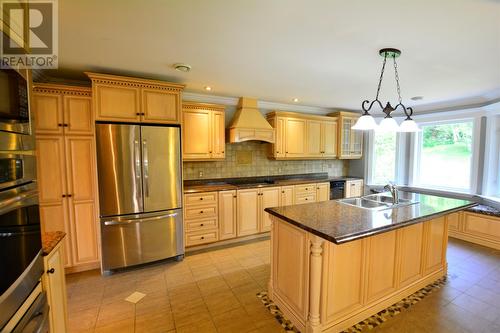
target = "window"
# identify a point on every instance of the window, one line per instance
(445, 155)
(384, 154)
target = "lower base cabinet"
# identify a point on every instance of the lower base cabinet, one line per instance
(227, 214)
(54, 284)
(475, 228)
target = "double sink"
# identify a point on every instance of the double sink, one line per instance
(378, 201)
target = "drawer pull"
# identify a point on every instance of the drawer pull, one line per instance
(60, 125)
(306, 199)
(201, 212)
(201, 198)
(202, 237)
(137, 114)
(51, 271)
(201, 224)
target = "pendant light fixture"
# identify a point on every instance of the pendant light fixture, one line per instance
(367, 122)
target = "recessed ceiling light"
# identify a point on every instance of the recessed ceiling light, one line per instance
(208, 88)
(296, 100)
(417, 98)
(182, 67)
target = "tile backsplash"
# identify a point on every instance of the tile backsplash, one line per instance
(249, 159)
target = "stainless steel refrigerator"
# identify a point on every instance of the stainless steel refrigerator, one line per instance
(140, 194)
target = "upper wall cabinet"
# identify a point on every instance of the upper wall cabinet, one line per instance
(127, 99)
(302, 137)
(350, 142)
(203, 134)
(62, 109)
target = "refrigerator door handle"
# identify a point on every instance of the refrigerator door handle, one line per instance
(122, 222)
(137, 158)
(146, 167)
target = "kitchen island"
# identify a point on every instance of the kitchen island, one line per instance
(334, 265)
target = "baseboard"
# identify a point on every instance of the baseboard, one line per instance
(83, 267)
(474, 239)
(227, 243)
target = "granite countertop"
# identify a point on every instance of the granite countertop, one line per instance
(50, 240)
(209, 185)
(341, 223)
(485, 210)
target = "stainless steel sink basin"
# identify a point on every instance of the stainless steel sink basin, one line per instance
(376, 202)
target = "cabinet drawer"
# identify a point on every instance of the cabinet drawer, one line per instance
(305, 189)
(303, 199)
(198, 238)
(204, 198)
(205, 224)
(201, 212)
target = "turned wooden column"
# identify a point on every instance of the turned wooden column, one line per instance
(314, 323)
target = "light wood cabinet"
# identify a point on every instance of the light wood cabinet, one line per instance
(301, 137)
(476, 228)
(227, 214)
(62, 109)
(354, 188)
(314, 192)
(251, 203)
(54, 284)
(128, 99)
(350, 142)
(322, 192)
(203, 131)
(201, 218)
(287, 195)
(66, 169)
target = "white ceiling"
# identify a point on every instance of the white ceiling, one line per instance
(324, 52)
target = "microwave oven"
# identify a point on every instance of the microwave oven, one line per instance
(15, 101)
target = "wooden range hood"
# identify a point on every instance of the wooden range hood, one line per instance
(249, 124)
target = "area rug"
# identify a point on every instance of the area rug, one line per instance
(366, 324)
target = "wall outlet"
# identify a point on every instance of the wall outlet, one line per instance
(200, 174)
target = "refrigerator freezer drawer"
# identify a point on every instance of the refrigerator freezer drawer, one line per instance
(141, 238)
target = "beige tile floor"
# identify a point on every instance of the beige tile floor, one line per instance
(215, 292)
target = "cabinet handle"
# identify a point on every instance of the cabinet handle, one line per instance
(64, 195)
(70, 195)
(306, 199)
(51, 271)
(317, 188)
(201, 198)
(210, 152)
(201, 212)
(65, 125)
(60, 125)
(137, 114)
(282, 191)
(277, 152)
(286, 152)
(202, 237)
(234, 196)
(201, 224)
(223, 151)
(143, 114)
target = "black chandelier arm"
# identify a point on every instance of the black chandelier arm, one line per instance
(365, 102)
(407, 110)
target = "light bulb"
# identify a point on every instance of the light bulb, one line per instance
(409, 125)
(365, 123)
(388, 125)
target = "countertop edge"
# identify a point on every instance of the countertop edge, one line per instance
(50, 239)
(364, 234)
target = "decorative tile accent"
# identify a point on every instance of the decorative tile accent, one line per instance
(249, 159)
(135, 297)
(368, 323)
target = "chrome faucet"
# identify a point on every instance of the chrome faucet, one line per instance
(394, 192)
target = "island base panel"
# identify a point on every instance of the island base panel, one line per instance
(325, 287)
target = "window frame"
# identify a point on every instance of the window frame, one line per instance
(416, 150)
(400, 143)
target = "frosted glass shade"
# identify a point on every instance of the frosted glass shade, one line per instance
(409, 125)
(365, 123)
(388, 125)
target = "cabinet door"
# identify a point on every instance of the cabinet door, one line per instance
(295, 137)
(78, 115)
(322, 192)
(197, 141)
(435, 253)
(454, 221)
(48, 113)
(51, 174)
(218, 135)
(247, 212)
(279, 145)
(160, 106)
(116, 103)
(80, 164)
(345, 137)
(227, 214)
(287, 195)
(353, 188)
(329, 138)
(55, 286)
(269, 197)
(381, 268)
(314, 144)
